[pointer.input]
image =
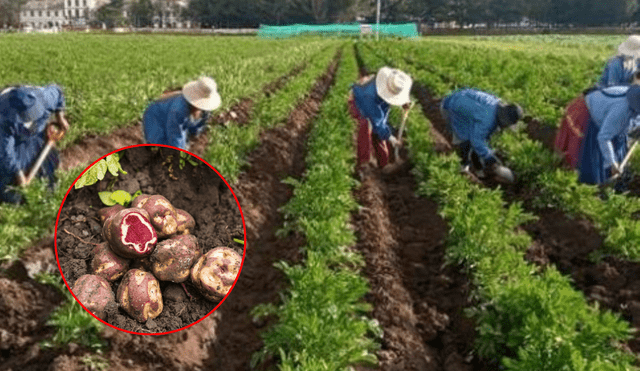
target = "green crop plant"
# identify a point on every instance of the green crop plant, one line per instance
(322, 323)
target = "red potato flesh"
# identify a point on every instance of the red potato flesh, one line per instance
(214, 273)
(186, 223)
(162, 215)
(173, 258)
(130, 233)
(108, 264)
(139, 295)
(94, 292)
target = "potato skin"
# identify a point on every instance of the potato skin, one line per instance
(107, 212)
(126, 246)
(139, 295)
(139, 201)
(108, 264)
(214, 273)
(173, 258)
(186, 223)
(94, 292)
(162, 215)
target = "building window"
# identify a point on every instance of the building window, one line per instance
(77, 2)
(56, 13)
(84, 2)
(40, 13)
(77, 13)
(32, 13)
(48, 14)
(69, 2)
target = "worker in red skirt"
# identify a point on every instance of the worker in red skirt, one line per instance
(620, 70)
(369, 104)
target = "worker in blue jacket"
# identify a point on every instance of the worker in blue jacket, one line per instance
(24, 129)
(621, 68)
(176, 116)
(472, 117)
(612, 112)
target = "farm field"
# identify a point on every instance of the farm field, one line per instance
(419, 270)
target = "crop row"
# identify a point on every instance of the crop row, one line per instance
(109, 79)
(322, 323)
(229, 145)
(614, 217)
(525, 318)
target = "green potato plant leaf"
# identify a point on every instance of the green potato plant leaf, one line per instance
(105, 197)
(97, 172)
(118, 197)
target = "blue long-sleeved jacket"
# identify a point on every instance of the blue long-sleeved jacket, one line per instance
(614, 73)
(611, 111)
(168, 122)
(19, 146)
(372, 107)
(472, 117)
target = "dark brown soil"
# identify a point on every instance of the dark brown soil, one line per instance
(418, 301)
(198, 190)
(280, 155)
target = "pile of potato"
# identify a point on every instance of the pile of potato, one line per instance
(158, 236)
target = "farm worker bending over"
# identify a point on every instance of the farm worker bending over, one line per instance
(621, 68)
(175, 116)
(613, 112)
(472, 117)
(369, 105)
(24, 130)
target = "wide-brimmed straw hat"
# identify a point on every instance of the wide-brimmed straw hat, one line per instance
(631, 47)
(393, 86)
(202, 94)
(27, 103)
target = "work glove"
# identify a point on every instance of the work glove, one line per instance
(615, 170)
(394, 141)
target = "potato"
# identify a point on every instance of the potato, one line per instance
(108, 264)
(214, 273)
(130, 233)
(107, 212)
(94, 292)
(173, 258)
(162, 215)
(186, 223)
(140, 200)
(139, 295)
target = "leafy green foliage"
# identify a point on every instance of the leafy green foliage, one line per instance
(117, 197)
(97, 172)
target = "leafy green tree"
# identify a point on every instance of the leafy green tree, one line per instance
(141, 13)
(10, 12)
(112, 14)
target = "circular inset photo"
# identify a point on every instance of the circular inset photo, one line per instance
(150, 239)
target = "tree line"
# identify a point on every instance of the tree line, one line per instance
(251, 13)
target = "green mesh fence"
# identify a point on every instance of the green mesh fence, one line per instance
(401, 30)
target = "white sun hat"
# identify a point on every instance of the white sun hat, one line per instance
(631, 47)
(202, 93)
(393, 86)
